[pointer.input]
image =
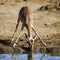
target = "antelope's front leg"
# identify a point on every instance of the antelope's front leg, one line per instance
(13, 37)
(18, 36)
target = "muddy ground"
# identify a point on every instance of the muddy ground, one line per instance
(46, 21)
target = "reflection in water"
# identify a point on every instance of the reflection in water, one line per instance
(30, 56)
(39, 56)
(43, 57)
(14, 56)
(53, 54)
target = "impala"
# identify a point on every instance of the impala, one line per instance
(26, 18)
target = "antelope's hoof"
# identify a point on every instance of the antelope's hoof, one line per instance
(14, 45)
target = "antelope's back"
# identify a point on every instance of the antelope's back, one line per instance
(25, 11)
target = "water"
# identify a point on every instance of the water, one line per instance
(38, 56)
(44, 54)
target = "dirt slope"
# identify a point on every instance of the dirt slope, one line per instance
(46, 22)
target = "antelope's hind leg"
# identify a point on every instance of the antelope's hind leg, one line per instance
(39, 37)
